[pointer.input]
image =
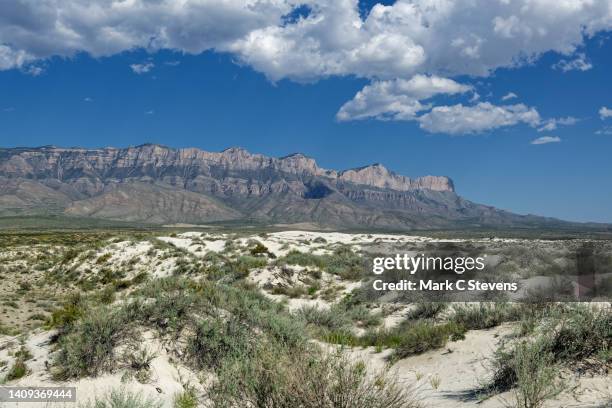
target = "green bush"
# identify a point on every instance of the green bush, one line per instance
(70, 312)
(185, 399)
(328, 318)
(18, 370)
(580, 334)
(426, 310)
(88, 348)
(216, 340)
(276, 377)
(295, 257)
(570, 335)
(423, 336)
(486, 315)
(122, 398)
(345, 263)
(535, 375)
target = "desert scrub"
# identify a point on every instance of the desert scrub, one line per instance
(18, 370)
(582, 333)
(88, 348)
(567, 336)
(342, 262)
(410, 338)
(259, 249)
(326, 318)
(345, 263)
(69, 312)
(277, 377)
(342, 315)
(423, 336)
(138, 359)
(122, 398)
(487, 315)
(295, 257)
(536, 375)
(426, 310)
(217, 340)
(87, 345)
(185, 399)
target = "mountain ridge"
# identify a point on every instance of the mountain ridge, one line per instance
(159, 184)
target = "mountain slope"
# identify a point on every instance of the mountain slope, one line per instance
(157, 184)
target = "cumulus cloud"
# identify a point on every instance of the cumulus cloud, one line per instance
(605, 113)
(409, 37)
(509, 95)
(606, 130)
(33, 70)
(552, 124)
(142, 68)
(460, 119)
(546, 140)
(579, 63)
(44, 28)
(392, 43)
(397, 99)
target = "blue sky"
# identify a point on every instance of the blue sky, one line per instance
(426, 114)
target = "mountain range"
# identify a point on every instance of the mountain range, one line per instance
(160, 185)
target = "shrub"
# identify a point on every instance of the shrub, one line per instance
(275, 377)
(535, 375)
(89, 347)
(122, 399)
(217, 340)
(104, 258)
(345, 263)
(295, 257)
(18, 369)
(426, 310)
(423, 336)
(139, 360)
(570, 335)
(70, 311)
(486, 315)
(327, 318)
(259, 249)
(580, 334)
(185, 399)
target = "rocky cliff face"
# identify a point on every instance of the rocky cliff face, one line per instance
(160, 162)
(158, 184)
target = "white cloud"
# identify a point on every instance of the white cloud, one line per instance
(579, 63)
(605, 113)
(554, 123)
(509, 95)
(443, 37)
(460, 119)
(397, 99)
(142, 68)
(411, 37)
(433, 38)
(546, 140)
(606, 130)
(33, 70)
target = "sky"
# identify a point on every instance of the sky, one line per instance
(511, 99)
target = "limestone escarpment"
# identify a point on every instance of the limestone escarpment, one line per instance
(158, 184)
